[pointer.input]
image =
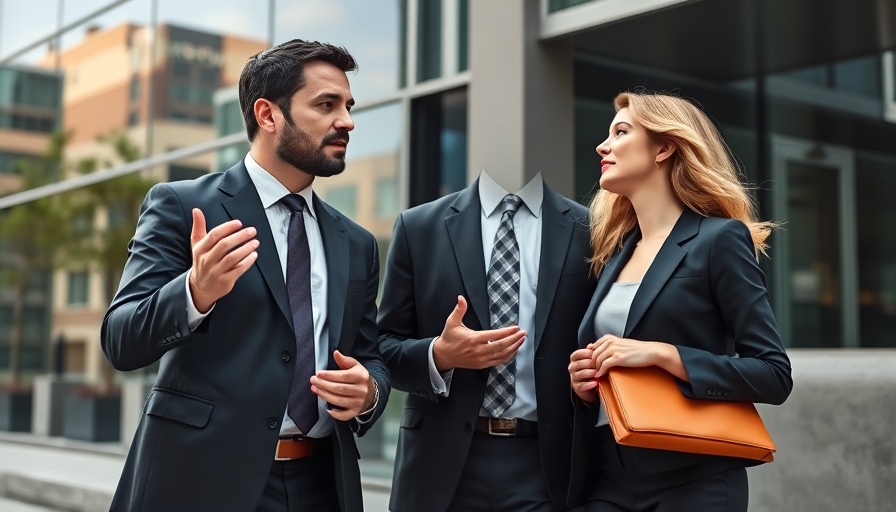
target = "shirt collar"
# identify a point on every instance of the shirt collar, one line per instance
(491, 194)
(270, 190)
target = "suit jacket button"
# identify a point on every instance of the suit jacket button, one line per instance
(286, 356)
(468, 427)
(273, 422)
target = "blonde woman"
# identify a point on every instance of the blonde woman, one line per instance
(675, 243)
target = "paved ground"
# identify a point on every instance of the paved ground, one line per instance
(50, 475)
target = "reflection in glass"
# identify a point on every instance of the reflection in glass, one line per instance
(559, 5)
(813, 232)
(429, 39)
(876, 216)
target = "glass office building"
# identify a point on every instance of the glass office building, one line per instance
(29, 112)
(802, 90)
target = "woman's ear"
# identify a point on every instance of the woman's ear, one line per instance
(666, 150)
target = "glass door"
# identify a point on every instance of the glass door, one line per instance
(815, 282)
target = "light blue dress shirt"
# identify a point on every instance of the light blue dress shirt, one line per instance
(527, 228)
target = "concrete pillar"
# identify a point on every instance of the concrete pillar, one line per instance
(521, 98)
(134, 392)
(48, 411)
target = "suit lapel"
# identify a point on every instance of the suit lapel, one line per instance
(606, 279)
(336, 252)
(556, 231)
(664, 264)
(465, 231)
(245, 205)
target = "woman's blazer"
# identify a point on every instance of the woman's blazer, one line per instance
(705, 294)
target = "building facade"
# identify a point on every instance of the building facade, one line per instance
(156, 87)
(29, 112)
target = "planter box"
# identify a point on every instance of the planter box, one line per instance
(15, 411)
(95, 418)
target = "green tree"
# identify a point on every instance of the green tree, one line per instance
(103, 246)
(33, 235)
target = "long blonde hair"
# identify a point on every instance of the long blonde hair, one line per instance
(704, 176)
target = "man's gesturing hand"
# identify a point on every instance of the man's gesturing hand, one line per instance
(460, 347)
(220, 257)
(350, 389)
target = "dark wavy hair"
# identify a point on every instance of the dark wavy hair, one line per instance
(277, 73)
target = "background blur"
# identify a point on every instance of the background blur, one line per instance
(101, 99)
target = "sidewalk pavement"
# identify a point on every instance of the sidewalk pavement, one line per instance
(39, 474)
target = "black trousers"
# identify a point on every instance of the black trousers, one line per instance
(302, 485)
(502, 474)
(620, 486)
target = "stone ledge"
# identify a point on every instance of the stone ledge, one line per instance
(836, 449)
(56, 495)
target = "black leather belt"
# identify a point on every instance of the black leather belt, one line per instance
(508, 427)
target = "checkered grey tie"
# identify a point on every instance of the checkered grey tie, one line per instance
(503, 305)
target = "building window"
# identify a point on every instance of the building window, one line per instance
(12, 163)
(135, 87)
(429, 39)
(463, 35)
(438, 145)
(402, 43)
(77, 288)
(344, 199)
(183, 172)
(387, 204)
(559, 5)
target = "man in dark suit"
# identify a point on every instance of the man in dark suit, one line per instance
(484, 291)
(264, 324)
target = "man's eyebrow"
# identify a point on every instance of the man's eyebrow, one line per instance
(333, 96)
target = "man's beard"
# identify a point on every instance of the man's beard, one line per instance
(296, 148)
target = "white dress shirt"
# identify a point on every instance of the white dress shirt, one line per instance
(270, 191)
(527, 228)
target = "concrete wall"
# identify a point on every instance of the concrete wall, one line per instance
(836, 436)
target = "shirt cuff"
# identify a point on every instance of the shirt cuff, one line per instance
(367, 415)
(194, 317)
(441, 382)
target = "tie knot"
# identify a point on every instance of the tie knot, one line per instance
(294, 202)
(510, 204)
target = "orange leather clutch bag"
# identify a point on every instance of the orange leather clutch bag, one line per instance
(647, 410)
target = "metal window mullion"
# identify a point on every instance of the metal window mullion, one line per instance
(62, 30)
(411, 43)
(849, 261)
(450, 37)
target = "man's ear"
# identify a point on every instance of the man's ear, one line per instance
(666, 150)
(264, 114)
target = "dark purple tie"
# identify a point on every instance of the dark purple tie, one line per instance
(302, 402)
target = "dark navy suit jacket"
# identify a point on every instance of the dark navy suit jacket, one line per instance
(436, 255)
(705, 294)
(209, 428)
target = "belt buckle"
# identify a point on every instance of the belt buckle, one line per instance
(501, 427)
(286, 440)
(277, 450)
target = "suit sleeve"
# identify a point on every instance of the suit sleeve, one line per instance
(365, 348)
(760, 372)
(406, 355)
(148, 315)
